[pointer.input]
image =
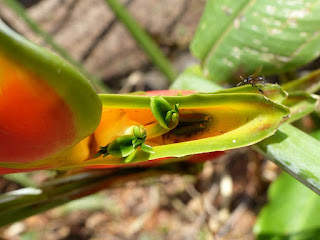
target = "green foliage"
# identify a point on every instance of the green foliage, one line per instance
(293, 210)
(278, 36)
(296, 152)
(245, 35)
(292, 213)
(300, 104)
(309, 83)
(193, 79)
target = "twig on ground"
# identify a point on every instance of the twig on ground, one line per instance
(135, 79)
(234, 217)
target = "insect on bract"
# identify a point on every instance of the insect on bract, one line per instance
(253, 79)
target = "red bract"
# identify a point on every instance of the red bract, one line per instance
(35, 121)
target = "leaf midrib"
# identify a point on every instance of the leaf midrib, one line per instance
(227, 30)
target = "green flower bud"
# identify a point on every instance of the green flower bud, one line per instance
(122, 146)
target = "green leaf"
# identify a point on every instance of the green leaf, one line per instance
(296, 152)
(291, 214)
(193, 79)
(309, 83)
(248, 34)
(316, 134)
(300, 104)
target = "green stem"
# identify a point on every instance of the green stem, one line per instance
(156, 130)
(143, 39)
(24, 212)
(15, 207)
(19, 10)
(21, 178)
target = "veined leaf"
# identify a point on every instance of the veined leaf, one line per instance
(248, 34)
(291, 214)
(193, 79)
(296, 152)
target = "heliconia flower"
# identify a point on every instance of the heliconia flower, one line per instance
(51, 117)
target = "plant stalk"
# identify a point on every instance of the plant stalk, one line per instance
(22, 203)
(143, 39)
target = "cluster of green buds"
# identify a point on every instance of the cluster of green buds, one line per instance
(167, 118)
(125, 145)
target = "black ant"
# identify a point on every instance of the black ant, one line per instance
(253, 79)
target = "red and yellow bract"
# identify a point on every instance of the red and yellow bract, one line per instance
(34, 120)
